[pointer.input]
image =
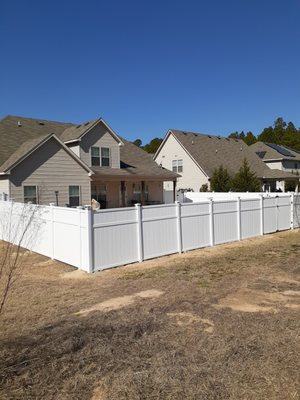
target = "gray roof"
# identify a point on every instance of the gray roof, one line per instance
(18, 141)
(15, 138)
(135, 162)
(269, 153)
(210, 152)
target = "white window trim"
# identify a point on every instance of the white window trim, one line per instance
(76, 196)
(36, 193)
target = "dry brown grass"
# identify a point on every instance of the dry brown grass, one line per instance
(219, 323)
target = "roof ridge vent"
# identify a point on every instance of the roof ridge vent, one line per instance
(19, 123)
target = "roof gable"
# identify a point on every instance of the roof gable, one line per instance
(32, 145)
(76, 132)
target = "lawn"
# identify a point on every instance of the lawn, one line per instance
(215, 323)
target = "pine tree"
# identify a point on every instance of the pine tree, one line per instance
(220, 180)
(246, 180)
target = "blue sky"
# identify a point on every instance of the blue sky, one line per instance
(209, 66)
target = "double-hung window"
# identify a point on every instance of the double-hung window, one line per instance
(100, 156)
(95, 153)
(105, 157)
(74, 196)
(177, 166)
(30, 194)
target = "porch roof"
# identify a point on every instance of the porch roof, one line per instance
(135, 164)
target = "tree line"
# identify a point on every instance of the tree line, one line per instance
(281, 132)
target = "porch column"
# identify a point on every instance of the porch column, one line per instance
(143, 192)
(123, 189)
(174, 191)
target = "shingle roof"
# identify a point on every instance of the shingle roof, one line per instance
(210, 152)
(75, 131)
(135, 162)
(13, 136)
(17, 141)
(272, 154)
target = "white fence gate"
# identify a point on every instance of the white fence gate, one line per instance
(107, 238)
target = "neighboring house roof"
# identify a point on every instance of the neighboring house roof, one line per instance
(210, 152)
(270, 151)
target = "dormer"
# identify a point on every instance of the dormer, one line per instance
(95, 143)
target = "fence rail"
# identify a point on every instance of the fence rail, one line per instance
(108, 238)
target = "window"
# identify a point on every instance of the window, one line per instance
(105, 156)
(30, 194)
(74, 196)
(177, 166)
(137, 192)
(95, 156)
(100, 158)
(99, 194)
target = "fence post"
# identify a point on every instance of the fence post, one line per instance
(90, 234)
(179, 227)
(139, 232)
(261, 214)
(211, 221)
(52, 229)
(292, 210)
(239, 217)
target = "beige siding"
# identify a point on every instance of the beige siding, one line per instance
(155, 191)
(4, 185)
(191, 177)
(274, 164)
(50, 168)
(100, 137)
(113, 194)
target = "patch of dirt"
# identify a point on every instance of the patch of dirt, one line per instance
(120, 302)
(187, 318)
(251, 300)
(77, 274)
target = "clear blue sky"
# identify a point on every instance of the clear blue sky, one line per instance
(210, 66)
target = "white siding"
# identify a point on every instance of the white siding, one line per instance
(191, 177)
(274, 164)
(4, 185)
(75, 149)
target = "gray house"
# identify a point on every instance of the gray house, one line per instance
(279, 157)
(195, 156)
(52, 162)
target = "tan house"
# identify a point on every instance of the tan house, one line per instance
(279, 157)
(52, 162)
(195, 157)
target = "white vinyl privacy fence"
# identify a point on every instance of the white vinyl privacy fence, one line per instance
(108, 238)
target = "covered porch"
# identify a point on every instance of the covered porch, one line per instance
(114, 193)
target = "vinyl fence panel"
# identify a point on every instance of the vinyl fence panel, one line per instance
(250, 218)
(195, 225)
(225, 221)
(283, 213)
(159, 230)
(115, 237)
(270, 214)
